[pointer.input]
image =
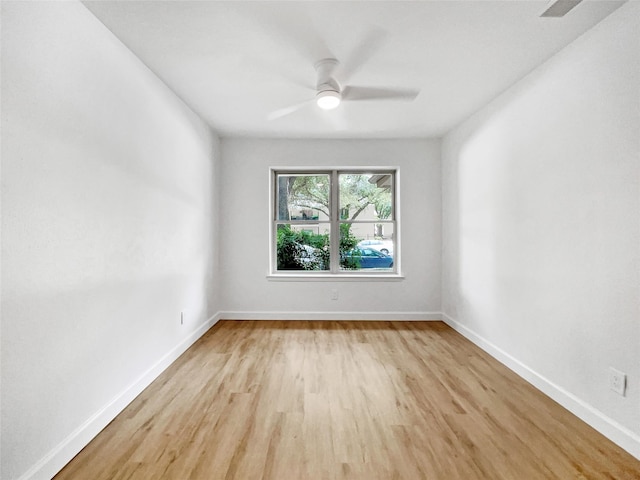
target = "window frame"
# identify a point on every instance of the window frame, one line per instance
(334, 272)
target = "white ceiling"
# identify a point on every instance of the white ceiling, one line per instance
(234, 62)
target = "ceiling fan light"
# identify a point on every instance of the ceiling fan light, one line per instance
(328, 99)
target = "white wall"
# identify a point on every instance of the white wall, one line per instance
(248, 293)
(108, 215)
(541, 225)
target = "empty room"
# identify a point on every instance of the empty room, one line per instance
(320, 240)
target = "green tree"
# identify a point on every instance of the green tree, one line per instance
(357, 193)
(285, 183)
(348, 242)
(307, 192)
(312, 192)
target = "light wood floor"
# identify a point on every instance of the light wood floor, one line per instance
(344, 400)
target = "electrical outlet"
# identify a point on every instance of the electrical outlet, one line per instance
(617, 381)
(334, 294)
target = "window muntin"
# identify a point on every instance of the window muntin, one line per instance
(355, 208)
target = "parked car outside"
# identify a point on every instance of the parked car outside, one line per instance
(370, 258)
(311, 258)
(384, 246)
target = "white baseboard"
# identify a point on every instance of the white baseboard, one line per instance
(611, 429)
(57, 458)
(381, 316)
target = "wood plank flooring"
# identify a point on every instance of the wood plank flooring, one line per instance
(344, 400)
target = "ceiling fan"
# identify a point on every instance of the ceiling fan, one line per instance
(330, 93)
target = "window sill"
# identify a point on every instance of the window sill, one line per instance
(328, 277)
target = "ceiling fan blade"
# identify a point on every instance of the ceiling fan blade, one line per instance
(283, 112)
(367, 48)
(272, 73)
(560, 8)
(292, 28)
(351, 93)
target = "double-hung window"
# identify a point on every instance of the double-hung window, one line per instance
(334, 222)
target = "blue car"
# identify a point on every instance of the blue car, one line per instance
(369, 258)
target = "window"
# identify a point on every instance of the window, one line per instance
(334, 222)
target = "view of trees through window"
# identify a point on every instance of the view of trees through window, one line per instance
(353, 209)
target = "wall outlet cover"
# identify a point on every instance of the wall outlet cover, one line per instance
(617, 381)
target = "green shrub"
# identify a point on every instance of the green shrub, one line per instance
(293, 255)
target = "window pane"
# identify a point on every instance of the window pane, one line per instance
(379, 236)
(366, 196)
(302, 197)
(364, 246)
(303, 247)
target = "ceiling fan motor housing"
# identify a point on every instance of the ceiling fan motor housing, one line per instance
(325, 69)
